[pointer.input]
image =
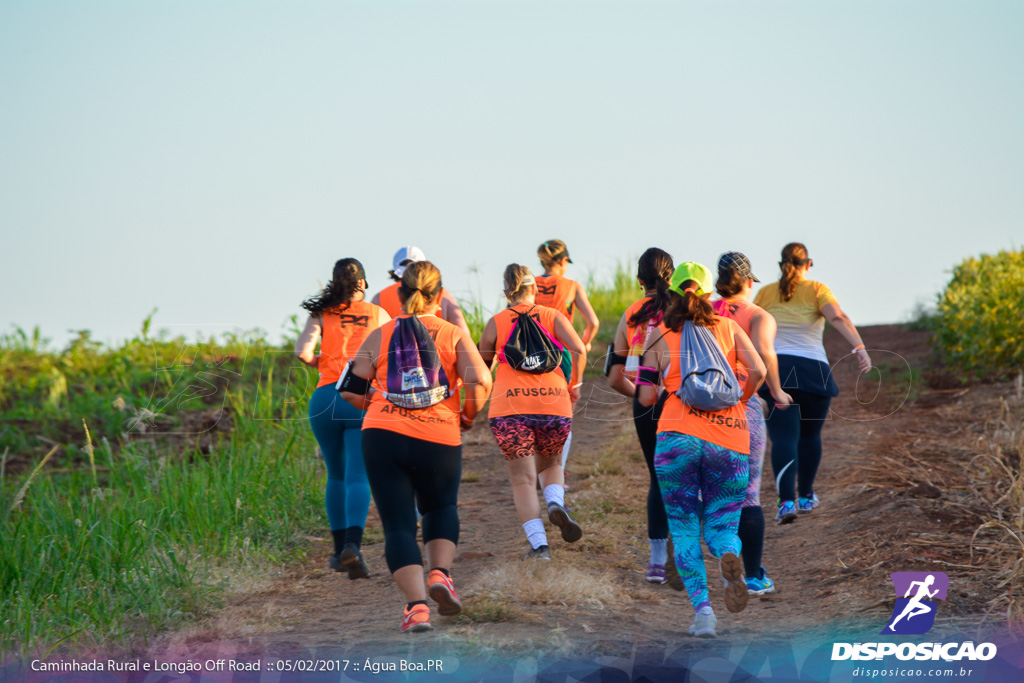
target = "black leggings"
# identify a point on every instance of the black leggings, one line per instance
(404, 471)
(796, 442)
(646, 421)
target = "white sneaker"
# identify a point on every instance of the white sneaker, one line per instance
(704, 625)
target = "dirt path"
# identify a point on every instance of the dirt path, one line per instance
(828, 565)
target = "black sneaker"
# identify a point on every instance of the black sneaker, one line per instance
(336, 564)
(571, 531)
(541, 553)
(352, 560)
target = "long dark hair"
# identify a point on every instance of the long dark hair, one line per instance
(654, 270)
(688, 306)
(340, 290)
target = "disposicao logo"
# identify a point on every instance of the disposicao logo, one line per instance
(914, 614)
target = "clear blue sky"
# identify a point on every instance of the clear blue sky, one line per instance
(215, 159)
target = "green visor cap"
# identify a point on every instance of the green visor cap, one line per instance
(692, 271)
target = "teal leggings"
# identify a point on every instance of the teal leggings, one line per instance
(703, 485)
(337, 427)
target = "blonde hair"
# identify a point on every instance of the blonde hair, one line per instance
(421, 283)
(794, 256)
(517, 279)
(549, 250)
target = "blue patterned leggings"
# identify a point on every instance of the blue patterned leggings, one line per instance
(700, 481)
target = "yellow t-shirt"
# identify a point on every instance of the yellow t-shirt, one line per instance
(800, 320)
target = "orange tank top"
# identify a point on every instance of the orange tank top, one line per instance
(389, 300)
(726, 428)
(523, 393)
(342, 332)
(557, 292)
(438, 423)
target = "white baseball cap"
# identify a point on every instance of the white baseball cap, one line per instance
(404, 257)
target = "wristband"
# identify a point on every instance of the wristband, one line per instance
(859, 347)
(352, 383)
(646, 376)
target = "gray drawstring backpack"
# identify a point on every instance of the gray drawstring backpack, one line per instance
(708, 383)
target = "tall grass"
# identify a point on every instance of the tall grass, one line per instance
(134, 536)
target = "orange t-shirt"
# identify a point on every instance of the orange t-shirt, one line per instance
(524, 393)
(438, 423)
(726, 428)
(557, 292)
(342, 332)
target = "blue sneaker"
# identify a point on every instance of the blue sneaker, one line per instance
(807, 504)
(760, 586)
(786, 513)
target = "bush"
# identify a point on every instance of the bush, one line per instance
(979, 323)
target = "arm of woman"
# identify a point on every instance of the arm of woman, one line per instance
(566, 335)
(489, 342)
(617, 379)
(589, 316)
(656, 356)
(364, 365)
(451, 312)
(746, 354)
(475, 376)
(305, 345)
(842, 322)
(762, 334)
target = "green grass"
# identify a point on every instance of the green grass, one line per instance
(133, 533)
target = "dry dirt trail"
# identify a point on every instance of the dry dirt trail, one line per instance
(830, 566)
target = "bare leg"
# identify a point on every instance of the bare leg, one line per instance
(440, 554)
(410, 580)
(522, 474)
(549, 471)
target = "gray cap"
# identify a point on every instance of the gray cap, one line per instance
(738, 262)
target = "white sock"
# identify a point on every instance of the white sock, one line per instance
(706, 610)
(554, 493)
(535, 533)
(565, 450)
(659, 550)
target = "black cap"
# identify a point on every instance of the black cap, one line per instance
(738, 262)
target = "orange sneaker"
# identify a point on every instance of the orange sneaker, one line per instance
(416, 619)
(442, 591)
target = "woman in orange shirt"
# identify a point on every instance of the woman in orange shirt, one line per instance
(340, 319)
(654, 273)
(701, 455)
(413, 455)
(566, 296)
(532, 413)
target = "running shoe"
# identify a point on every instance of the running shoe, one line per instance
(335, 563)
(442, 591)
(541, 553)
(807, 504)
(416, 619)
(786, 513)
(352, 560)
(736, 595)
(557, 515)
(655, 573)
(760, 586)
(704, 625)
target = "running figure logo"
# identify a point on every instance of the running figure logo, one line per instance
(914, 613)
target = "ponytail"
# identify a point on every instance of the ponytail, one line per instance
(688, 306)
(421, 283)
(794, 255)
(654, 270)
(339, 291)
(517, 279)
(551, 252)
